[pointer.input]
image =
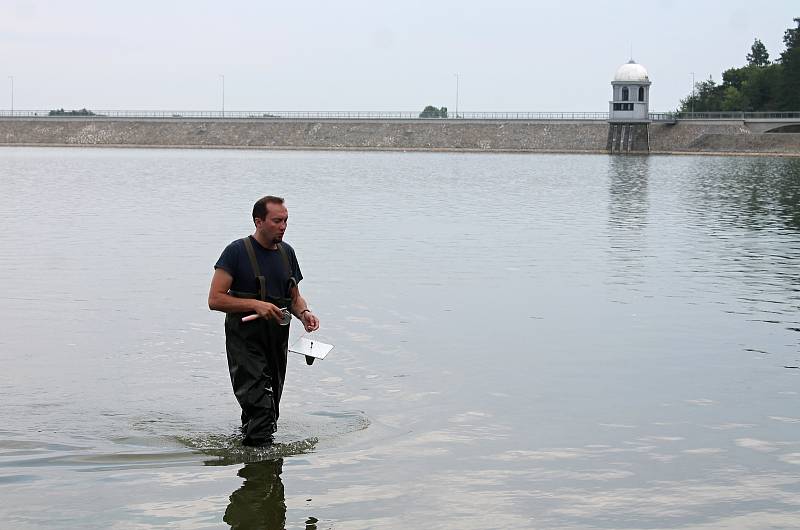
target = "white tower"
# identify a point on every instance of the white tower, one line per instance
(630, 94)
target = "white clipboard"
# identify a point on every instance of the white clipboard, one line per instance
(311, 348)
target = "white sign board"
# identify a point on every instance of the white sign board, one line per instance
(311, 348)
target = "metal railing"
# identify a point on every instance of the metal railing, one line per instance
(305, 115)
(389, 115)
(672, 116)
(532, 115)
(663, 116)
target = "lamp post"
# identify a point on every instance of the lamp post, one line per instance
(11, 77)
(456, 94)
(692, 94)
(222, 77)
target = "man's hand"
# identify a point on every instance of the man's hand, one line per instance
(310, 321)
(267, 310)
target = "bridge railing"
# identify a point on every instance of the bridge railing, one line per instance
(663, 116)
(388, 115)
(671, 116)
(304, 115)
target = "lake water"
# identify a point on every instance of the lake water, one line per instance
(522, 341)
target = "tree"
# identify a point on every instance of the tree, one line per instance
(432, 112)
(791, 38)
(733, 100)
(707, 97)
(758, 55)
(761, 85)
(789, 91)
(735, 77)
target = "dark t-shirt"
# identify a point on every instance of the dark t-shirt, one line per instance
(235, 261)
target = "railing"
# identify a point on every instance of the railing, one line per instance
(532, 115)
(304, 115)
(392, 115)
(663, 116)
(672, 116)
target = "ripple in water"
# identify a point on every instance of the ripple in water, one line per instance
(228, 449)
(292, 439)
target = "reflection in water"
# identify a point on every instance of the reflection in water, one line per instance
(627, 215)
(775, 188)
(789, 195)
(627, 190)
(743, 209)
(752, 193)
(259, 502)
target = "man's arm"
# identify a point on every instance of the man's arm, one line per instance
(220, 300)
(300, 310)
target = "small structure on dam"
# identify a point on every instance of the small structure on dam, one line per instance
(629, 110)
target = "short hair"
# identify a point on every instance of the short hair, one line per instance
(260, 207)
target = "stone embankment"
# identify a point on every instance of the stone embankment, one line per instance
(483, 135)
(711, 137)
(585, 136)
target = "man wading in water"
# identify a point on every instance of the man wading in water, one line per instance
(258, 276)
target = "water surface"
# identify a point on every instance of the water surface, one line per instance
(530, 341)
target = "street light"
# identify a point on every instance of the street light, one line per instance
(692, 94)
(12, 94)
(221, 76)
(456, 94)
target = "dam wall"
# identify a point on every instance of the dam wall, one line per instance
(715, 137)
(571, 136)
(785, 143)
(433, 134)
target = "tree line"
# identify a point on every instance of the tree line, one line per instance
(760, 85)
(62, 112)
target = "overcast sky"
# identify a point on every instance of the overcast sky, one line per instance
(369, 55)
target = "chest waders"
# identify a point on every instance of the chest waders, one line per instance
(257, 352)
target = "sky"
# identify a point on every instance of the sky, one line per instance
(501, 55)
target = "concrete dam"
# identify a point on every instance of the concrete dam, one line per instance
(486, 135)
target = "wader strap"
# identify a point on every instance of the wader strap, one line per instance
(286, 264)
(262, 281)
(242, 294)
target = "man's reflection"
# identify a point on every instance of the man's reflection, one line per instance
(260, 501)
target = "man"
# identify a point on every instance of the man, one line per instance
(258, 276)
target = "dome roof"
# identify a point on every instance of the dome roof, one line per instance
(632, 71)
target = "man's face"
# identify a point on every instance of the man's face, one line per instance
(274, 225)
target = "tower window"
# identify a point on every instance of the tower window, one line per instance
(624, 93)
(641, 93)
